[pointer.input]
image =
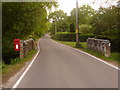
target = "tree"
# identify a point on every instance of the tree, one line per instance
(85, 29)
(57, 15)
(72, 28)
(21, 19)
(61, 21)
(85, 14)
(106, 22)
(106, 25)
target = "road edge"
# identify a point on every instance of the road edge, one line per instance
(28, 67)
(89, 55)
(26, 70)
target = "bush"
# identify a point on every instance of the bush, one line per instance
(31, 37)
(72, 28)
(85, 29)
(68, 36)
(114, 43)
(83, 38)
(65, 36)
(14, 61)
(9, 55)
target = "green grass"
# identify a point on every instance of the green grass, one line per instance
(17, 64)
(83, 46)
(10, 70)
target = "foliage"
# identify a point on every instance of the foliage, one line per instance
(21, 19)
(83, 38)
(65, 36)
(72, 28)
(85, 14)
(105, 22)
(85, 29)
(68, 36)
(61, 20)
(114, 57)
(114, 42)
(57, 15)
(102, 23)
(15, 66)
(67, 23)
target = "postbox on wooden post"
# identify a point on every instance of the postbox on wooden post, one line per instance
(17, 44)
(24, 46)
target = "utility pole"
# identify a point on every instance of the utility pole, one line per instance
(55, 26)
(77, 24)
(55, 23)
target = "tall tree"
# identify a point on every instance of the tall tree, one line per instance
(85, 14)
(106, 22)
(61, 21)
(21, 19)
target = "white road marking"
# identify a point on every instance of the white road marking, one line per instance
(98, 59)
(21, 77)
(89, 55)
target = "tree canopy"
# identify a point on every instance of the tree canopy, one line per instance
(61, 20)
(102, 23)
(21, 20)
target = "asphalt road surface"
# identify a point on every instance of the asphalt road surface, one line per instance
(58, 66)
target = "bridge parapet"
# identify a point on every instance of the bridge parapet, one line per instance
(25, 47)
(99, 45)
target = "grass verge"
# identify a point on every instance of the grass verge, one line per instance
(17, 64)
(114, 57)
(10, 70)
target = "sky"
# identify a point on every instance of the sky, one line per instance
(68, 5)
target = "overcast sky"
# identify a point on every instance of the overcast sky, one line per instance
(68, 5)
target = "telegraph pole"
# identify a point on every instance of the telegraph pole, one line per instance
(55, 23)
(55, 27)
(77, 24)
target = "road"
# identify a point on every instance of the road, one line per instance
(59, 66)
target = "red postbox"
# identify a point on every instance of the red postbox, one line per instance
(17, 44)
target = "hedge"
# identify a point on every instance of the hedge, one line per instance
(68, 36)
(114, 43)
